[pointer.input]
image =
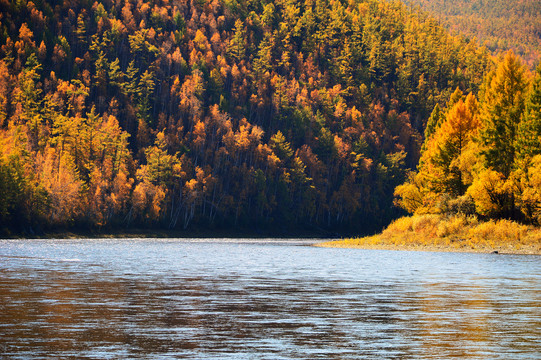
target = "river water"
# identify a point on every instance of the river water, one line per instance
(224, 299)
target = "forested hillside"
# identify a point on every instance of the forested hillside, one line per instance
(499, 24)
(483, 157)
(220, 113)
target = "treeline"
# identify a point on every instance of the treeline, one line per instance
(482, 154)
(219, 113)
(498, 24)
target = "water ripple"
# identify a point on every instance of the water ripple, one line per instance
(129, 299)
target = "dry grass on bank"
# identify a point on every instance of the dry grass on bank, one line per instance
(451, 233)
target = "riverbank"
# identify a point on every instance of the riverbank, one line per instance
(192, 233)
(456, 233)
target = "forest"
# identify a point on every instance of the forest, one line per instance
(229, 114)
(500, 25)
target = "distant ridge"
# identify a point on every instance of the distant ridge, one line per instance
(501, 25)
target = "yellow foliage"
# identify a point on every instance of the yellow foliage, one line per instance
(148, 200)
(401, 224)
(425, 223)
(454, 233)
(200, 41)
(467, 162)
(440, 167)
(488, 187)
(453, 226)
(530, 197)
(408, 196)
(59, 178)
(505, 231)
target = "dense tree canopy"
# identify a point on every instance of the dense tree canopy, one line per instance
(230, 112)
(484, 158)
(498, 24)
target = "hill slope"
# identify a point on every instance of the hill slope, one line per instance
(218, 113)
(499, 24)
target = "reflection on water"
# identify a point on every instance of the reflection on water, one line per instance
(120, 299)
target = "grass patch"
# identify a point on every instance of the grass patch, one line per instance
(451, 233)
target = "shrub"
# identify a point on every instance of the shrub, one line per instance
(462, 205)
(402, 224)
(425, 223)
(452, 226)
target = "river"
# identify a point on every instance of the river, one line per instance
(262, 299)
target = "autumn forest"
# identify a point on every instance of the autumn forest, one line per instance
(325, 115)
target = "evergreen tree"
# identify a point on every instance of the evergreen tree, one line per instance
(145, 92)
(527, 174)
(501, 111)
(450, 141)
(433, 124)
(237, 45)
(528, 142)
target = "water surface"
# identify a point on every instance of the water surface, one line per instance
(217, 299)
